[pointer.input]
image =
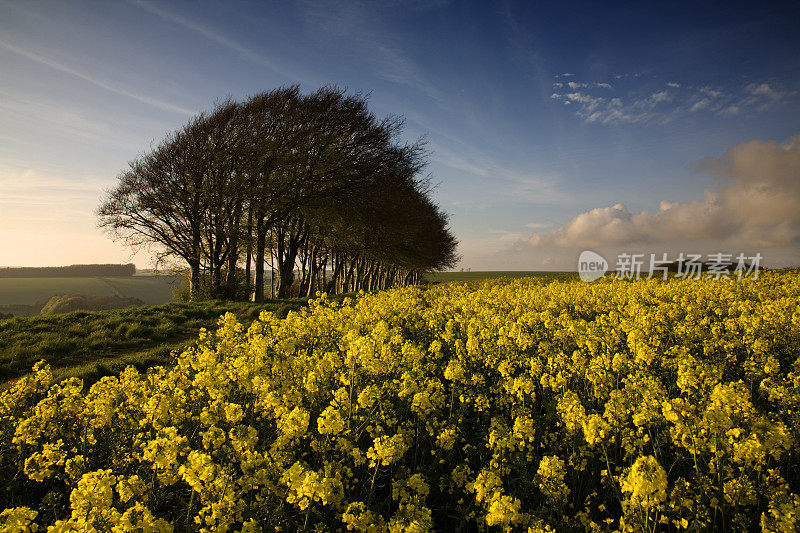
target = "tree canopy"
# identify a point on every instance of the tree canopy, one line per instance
(313, 184)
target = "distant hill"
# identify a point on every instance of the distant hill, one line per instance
(72, 271)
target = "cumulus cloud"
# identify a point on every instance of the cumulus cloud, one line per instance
(673, 84)
(756, 207)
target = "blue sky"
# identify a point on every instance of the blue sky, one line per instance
(553, 126)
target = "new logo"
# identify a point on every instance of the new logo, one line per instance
(591, 266)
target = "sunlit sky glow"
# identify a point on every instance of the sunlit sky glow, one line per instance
(553, 127)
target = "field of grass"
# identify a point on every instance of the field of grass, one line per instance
(90, 345)
(441, 277)
(152, 290)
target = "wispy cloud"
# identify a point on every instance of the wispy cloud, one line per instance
(29, 198)
(661, 106)
(95, 81)
(366, 32)
(512, 184)
(73, 121)
(606, 110)
(582, 85)
(240, 50)
(575, 85)
(393, 65)
(505, 235)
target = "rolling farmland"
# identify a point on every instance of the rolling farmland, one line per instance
(152, 290)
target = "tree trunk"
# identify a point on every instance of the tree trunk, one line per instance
(305, 270)
(249, 257)
(194, 279)
(194, 266)
(233, 253)
(261, 241)
(287, 256)
(330, 287)
(349, 277)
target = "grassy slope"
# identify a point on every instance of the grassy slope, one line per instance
(93, 344)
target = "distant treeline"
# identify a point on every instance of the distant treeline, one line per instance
(71, 271)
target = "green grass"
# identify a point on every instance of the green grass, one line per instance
(152, 290)
(440, 277)
(90, 345)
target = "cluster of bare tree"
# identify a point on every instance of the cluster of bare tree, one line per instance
(309, 183)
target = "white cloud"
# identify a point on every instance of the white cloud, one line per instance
(511, 237)
(763, 96)
(700, 105)
(763, 89)
(581, 85)
(713, 93)
(605, 110)
(754, 209)
(661, 96)
(665, 105)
